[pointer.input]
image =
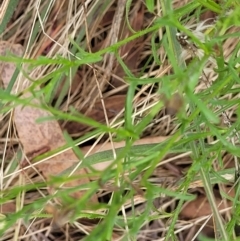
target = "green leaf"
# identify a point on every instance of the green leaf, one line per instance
(209, 115)
(87, 58)
(12, 4)
(150, 5)
(211, 5)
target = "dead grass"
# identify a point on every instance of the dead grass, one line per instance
(99, 91)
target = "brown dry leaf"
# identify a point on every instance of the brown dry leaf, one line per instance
(9, 207)
(130, 51)
(39, 138)
(200, 207)
(113, 105)
(208, 16)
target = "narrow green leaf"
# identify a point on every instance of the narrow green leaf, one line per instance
(150, 5)
(211, 5)
(12, 4)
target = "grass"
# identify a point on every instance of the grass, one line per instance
(147, 190)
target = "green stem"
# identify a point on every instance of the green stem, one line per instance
(8, 14)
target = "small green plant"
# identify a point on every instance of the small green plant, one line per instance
(187, 67)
